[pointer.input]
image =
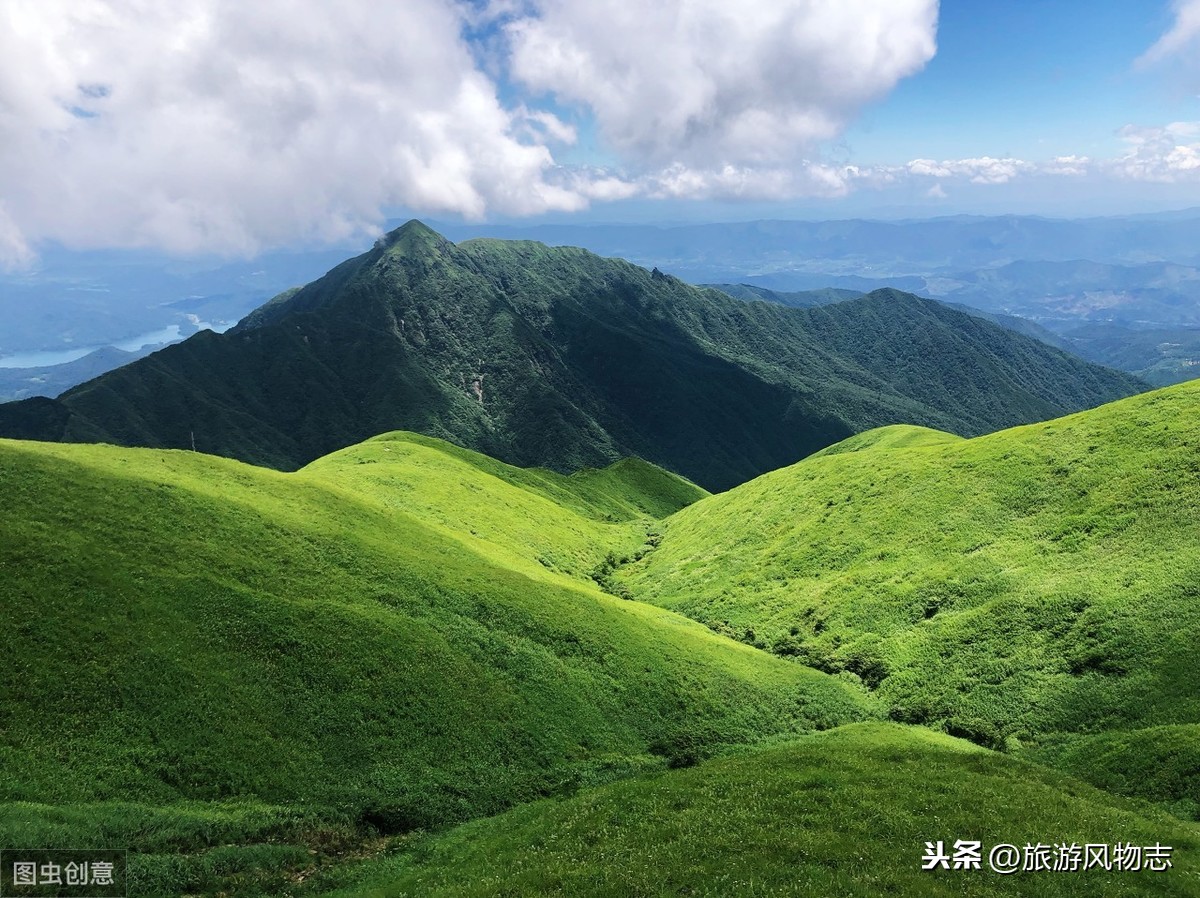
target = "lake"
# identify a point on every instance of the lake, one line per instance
(161, 337)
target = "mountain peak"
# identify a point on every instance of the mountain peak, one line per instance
(412, 237)
(559, 358)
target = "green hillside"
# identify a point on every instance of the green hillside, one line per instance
(798, 299)
(808, 299)
(562, 359)
(222, 667)
(843, 813)
(1159, 355)
(410, 669)
(1036, 590)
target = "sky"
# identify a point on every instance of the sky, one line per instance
(228, 127)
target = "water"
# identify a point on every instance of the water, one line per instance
(161, 337)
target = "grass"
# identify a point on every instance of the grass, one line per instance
(564, 524)
(842, 813)
(1014, 589)
(897, 436)
(202, 656)
(407, 669)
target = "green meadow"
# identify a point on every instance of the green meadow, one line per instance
(843, 813)
(224, 667)
(409, 669)
(1035, 590)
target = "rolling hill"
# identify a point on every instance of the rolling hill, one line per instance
(408, 668)
(200, 653)
(559, 358)
(842, 813)
(1036, 590)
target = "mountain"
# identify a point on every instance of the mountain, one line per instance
(1021, 326)
(560, 358)
(807, 299)
(1035, 590)
(93, 298)
(1159, 356)
(799, 299)
(51, 380)
(1067, 293)
(1112, 277)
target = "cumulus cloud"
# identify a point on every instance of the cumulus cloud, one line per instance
(1068, 166)
(230, 126)
(715, 86)
(15, 251)
(1165, 155)
(222, 125)
(981, 170)
(734, 182)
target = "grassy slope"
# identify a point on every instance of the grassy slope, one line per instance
(897, 436)
(842, 813)
(201, 652)
(1036, 588)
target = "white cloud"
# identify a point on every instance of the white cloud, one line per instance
(982, 170)
(222, 125)
(14, 249)
(1183, 34)
(930, 168)
(1068, 166)
(230, 126)
(546, 126)
(710, 85)
(1166, 155)
(733, 182)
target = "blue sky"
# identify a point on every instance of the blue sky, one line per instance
(232, 128)
(1033, 78)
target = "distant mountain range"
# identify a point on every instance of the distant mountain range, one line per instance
(50, 380)
(560, 358)
(1112, 276)
(869, 249)
(106, 297)
(807, 299)
(1160, 355)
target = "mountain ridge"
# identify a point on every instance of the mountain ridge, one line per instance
(558, 358)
